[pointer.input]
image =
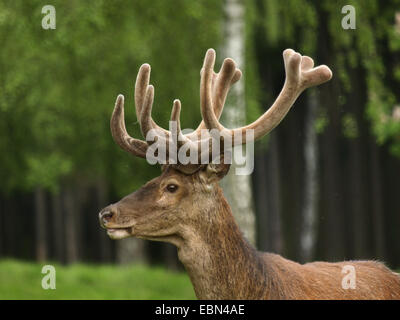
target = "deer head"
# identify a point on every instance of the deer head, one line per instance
(186, 197)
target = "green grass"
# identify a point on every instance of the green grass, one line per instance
(22, 280)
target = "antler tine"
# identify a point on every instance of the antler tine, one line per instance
(206, 102)
(175, 114)
(145, 116)
(118, 131)
(221, 83)
(146, 120)
(142, 82)
(300, 75)
(141, 85)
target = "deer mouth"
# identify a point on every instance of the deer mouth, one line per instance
(119, 233)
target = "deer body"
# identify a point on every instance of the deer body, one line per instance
(186, 206)
(223, 265)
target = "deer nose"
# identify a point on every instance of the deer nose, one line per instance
(106, 215)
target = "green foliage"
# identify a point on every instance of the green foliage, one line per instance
(369, 47)
(45, 171)
(289, 20)
(58, 87)
(321, 122)
(22, 280)
(350, 128)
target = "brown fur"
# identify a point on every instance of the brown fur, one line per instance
(220, 262)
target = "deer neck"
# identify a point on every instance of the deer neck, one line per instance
(220, 262)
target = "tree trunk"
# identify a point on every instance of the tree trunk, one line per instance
(104, 240)
(171, 257)
(2, 210)
(237, 188)
(377, 202)
(58, 230)
(309, 214)
(71, 233)
(10, 231)
(357, 201)
(274, 208)
(333, 232)
(131, 250)
(40, 224)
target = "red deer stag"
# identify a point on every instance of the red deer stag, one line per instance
(186, 206)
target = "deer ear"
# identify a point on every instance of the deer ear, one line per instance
(214, 172)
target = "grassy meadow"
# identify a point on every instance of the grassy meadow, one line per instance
(22, 280)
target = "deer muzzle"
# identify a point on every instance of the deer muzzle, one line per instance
(107, 219)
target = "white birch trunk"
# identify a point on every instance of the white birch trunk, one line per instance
(308, 230)
(237, 188)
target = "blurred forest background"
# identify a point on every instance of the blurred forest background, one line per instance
(326, 184)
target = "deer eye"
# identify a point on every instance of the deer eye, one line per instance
(172, 188)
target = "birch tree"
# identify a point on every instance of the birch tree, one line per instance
(237, 188)
(309, 214)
